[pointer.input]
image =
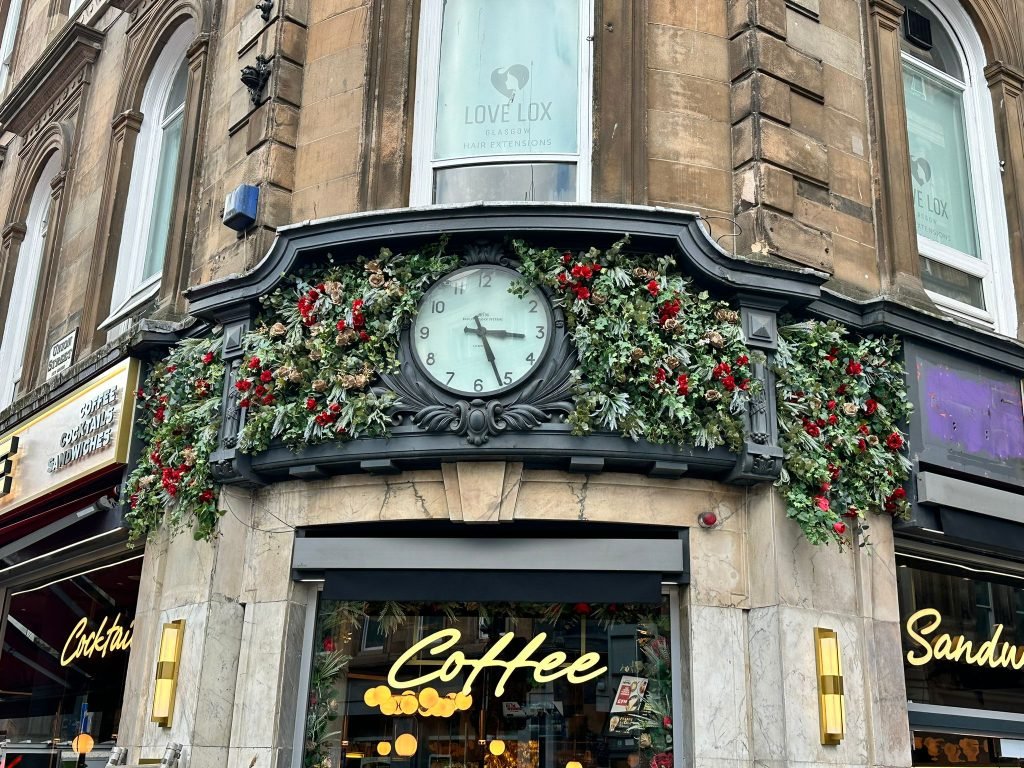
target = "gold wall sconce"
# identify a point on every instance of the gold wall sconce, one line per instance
(831, 702)
(167, 665)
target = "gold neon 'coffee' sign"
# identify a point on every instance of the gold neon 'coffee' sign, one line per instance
(545, 669)
(103, 640)
(990, 653)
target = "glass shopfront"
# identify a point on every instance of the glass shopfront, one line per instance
(473, 685)
(963, 650)
(63, 664)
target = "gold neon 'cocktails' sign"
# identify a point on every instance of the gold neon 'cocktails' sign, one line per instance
(103, 640)
(545, 669)
(990, 653)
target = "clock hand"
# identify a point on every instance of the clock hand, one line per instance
(495, 334)
(482, 333)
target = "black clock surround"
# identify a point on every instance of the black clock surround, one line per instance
(526, 423)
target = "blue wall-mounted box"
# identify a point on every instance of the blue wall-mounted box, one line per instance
(240, 207)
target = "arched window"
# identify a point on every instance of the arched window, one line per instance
(7, 41)
(958, 203)
(151, 193)
(24, 285)
(503, 101)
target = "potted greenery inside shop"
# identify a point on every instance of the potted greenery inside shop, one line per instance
(475, 685)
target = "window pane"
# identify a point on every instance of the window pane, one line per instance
(545, 182)
(952, 283)
(509, 78)
(943, 54)
(617, 715)
(176, 96)
(163, 198)
(943, 199)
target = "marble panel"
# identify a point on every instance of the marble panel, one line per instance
(800, 686)
(266, 573)
(767, 701)
(186, 574)
(718, 682)
(620, 497)
(205, 757)
(243, 756)
(258, 688)
(233, 528)
(890, 734)
(761, 549)
(480, 490)
(216, 682)
(718, 567)
(881, 601)
(138, 681)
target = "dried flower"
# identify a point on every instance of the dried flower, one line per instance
(319, 385)
(670, 324)
(277, 330)
(637, 354)
(640, 273)
(377, 280)
(850, 409)
(672, 361)
(294, 375)
(712, 395)
(715, 339)
(372, 266)
(727, 316)
(314, 355)
(346, 337)
(872, 440)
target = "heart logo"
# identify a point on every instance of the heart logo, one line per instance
(511, 80)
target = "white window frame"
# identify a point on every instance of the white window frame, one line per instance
(130, 289)
(993, 264)
(7, 42)
(421, 192)
(24, 286)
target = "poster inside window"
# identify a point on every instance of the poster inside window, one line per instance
(512, 685)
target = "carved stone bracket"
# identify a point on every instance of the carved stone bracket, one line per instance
(761, 459)
(227, 464)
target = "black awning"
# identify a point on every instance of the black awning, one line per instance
(492, 586)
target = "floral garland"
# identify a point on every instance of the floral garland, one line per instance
(657, 360)
(323, 340)
(841, 404)
(180, 403)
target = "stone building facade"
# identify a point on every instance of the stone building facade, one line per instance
(783, 141)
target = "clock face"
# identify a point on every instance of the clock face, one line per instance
(473, 337)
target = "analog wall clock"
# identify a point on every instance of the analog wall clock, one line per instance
(473, 337)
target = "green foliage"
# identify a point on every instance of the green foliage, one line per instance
(657, 360)
(323, 340)
(180, 404)
(841, 404)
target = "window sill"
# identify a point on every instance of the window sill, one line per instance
(123, 312)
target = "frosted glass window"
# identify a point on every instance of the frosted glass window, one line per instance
(943, 194)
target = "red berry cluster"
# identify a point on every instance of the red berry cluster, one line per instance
(578, 279)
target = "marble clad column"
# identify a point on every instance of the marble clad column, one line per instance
(198, 582)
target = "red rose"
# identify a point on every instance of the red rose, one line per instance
(206, 495)
(821, 503)
(563, 279)
(653, 288)
(566, 257)
(831, 356)
(324, 418)
(158, 414)
(140, 394)
(683, 384)
(341, 325)
(841, 390)
(243, 403)
(831, 405)
(334, 408)
(659, 375)
(254, 363)
(894, 441)
(745, 384)
(329, 644)
(832, 419)
(597, 268)
(266, 376)
(864, 429)
(208, 358)
(720, 370)
(742, 360)
(839, 528)
(729, 383)
(364, 336)
(835, 470)
(310, 404)
(313, 294)
(582, 292)
(826, 487)
(268, 400)
(812, 429)
(870, 407)
(260, 390)
(172, 368)
(899, 493)
(862, 444)
(854, 368)
(134, 500)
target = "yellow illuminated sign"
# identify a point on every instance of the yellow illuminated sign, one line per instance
(104, 639)
(990, 653)
(546, 669)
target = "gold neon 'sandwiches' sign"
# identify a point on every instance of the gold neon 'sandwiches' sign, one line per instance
(545, 669)
(106, 638)
(923, 629)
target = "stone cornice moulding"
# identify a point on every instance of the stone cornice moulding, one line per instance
(54, 74)
(569, 225)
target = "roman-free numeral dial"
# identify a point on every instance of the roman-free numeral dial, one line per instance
(474, 337)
